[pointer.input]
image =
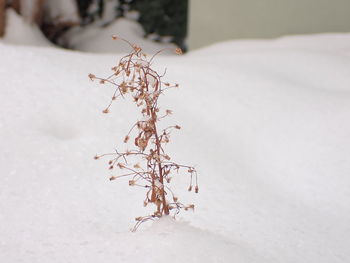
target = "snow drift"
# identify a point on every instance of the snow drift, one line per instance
(266, 123)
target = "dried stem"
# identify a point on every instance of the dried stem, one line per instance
(133, 77)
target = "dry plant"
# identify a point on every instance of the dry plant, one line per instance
(148, 165)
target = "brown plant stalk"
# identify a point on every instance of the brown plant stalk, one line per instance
(147, 165)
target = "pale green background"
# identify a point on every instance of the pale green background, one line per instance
(212, 21)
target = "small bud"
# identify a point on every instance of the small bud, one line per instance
(114, 37)
(92, 76)
(111, 167)
(126, 139)
(110, 162)
(131, 182)
(177, 127)
(137, 166)
(175, 199)
(102, 81)
(178, 51)
(168, 112)
(136, 48)
(139, 218)
(96, 157)
(105, 111)
(121, 166)
(191, 206)
(112, 178)
(196, 189)
(190, 188)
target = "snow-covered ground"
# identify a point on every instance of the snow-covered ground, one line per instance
(265, 122)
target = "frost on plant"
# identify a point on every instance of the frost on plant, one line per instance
(147, 165)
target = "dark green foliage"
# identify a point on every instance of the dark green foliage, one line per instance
(158, 17)
(83, 8)
(161, 17)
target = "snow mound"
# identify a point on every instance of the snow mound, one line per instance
(19, 32)
(167, 240)
(268, 129)
(98, 40)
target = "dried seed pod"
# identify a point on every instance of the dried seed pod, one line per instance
(137, 48)
(131, 182)
(126, 139)
(191, 206)
(92, 76)
(196, 189)
(121, 166)
(178, 51)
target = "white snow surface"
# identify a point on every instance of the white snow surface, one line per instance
(265, 122)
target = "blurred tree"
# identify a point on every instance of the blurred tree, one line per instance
(160, 17)
(38, 12)
(2, 17)
(16, 5)
(88, 14)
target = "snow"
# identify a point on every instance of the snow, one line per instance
(89, 39)
(265, 122)
(64, 10)
(20, 32)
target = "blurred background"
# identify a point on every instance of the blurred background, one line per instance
(85, 24)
